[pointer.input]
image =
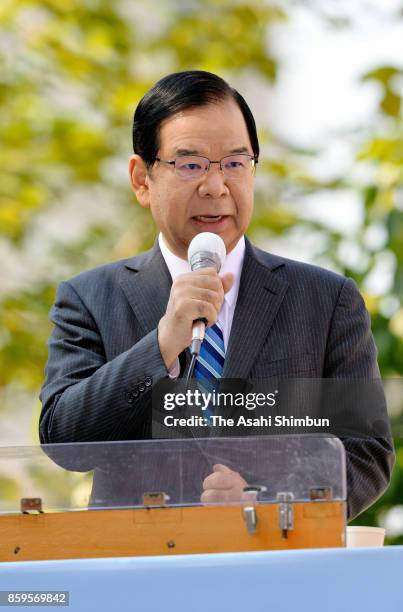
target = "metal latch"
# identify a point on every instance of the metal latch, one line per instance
(285, 512)
(249, 510)
(29, 505)
(250, 518)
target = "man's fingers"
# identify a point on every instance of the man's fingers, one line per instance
(207, 271)
(222, 478)
(205, 277)
(218, 480)
(213, 495)
(223, 485)
(220, 467)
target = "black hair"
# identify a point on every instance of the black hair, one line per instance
(176, 92)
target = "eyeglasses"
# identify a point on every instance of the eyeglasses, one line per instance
(194, 166)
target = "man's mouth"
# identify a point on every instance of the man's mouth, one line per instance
(209, 218)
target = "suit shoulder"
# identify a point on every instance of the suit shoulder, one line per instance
(300, 271)
(311, 272)
(99, 274)
(106, 274)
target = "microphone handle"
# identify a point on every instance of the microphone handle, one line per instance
(201, 259)
(198, 331)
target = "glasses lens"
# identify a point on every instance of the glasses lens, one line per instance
(237, 165)
(191, 166)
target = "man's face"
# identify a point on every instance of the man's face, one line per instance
(182, 208)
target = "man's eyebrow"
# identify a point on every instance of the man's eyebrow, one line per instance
(186, 152)
(196, 152)
(240, 150)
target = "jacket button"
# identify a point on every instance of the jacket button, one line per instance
(148, 381)
(135, 392)
(142, 387)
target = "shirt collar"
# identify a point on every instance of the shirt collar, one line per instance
(233, 263)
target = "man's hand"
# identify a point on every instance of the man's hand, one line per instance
(194, 295)
(223, 485)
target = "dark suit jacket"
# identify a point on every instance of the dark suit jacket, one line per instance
(291, 320)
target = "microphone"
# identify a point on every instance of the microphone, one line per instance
(207, 250)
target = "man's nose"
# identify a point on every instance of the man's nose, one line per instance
(213, 183)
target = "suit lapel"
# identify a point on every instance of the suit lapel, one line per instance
(260, 295)
(148, 289)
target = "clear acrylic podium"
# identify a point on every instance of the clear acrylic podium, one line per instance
(140, 498)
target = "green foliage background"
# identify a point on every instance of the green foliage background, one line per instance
(71, 73)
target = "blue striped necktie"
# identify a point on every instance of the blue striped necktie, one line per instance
(209, 364)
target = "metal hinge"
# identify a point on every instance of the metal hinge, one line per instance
(155, 499)
(29, 505)
(320, 493)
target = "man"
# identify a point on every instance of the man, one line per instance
(122, 327)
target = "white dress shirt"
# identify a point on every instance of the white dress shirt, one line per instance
(233, 263)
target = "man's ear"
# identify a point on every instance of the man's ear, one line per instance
(139, 179)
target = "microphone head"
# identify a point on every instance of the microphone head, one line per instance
(206, 250)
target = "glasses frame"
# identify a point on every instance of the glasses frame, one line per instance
(172, 162)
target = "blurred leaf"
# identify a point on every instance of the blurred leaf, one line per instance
(10, 489)
(382, 74)
(391, 104)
